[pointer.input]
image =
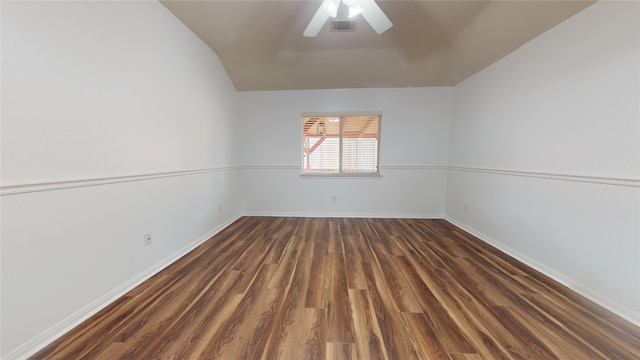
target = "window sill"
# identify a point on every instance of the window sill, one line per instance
(341, 176)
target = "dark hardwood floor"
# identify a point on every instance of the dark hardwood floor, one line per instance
(343, 288)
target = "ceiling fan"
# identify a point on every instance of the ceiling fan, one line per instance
(368, 8)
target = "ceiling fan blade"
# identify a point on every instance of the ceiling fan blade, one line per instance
(317, 21)
(375, 16)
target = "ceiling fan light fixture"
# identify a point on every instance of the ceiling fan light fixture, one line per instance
(331, 6)
(370, 11)
(328, 8)
(354, 10)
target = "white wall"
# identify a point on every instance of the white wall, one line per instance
(545, 150)
(413, 153)
(116, 121)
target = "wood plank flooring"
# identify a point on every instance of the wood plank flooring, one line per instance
(343, 288)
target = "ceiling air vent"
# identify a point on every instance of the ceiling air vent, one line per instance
(343, 25)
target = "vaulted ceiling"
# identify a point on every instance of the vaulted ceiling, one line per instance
(431, 43)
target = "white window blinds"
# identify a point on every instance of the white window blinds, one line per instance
(341, 144)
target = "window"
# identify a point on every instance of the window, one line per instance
(341, 144)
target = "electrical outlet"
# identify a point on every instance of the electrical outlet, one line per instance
(333, 198)
(147, 239)
(466, 207)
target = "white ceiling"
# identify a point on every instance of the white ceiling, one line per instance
(431, 43)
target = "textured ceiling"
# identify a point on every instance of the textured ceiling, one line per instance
(431, 43)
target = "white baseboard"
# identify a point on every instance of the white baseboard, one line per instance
(598, 298)
(39, 342)
(343, 215)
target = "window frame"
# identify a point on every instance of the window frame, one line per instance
(340, 174)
